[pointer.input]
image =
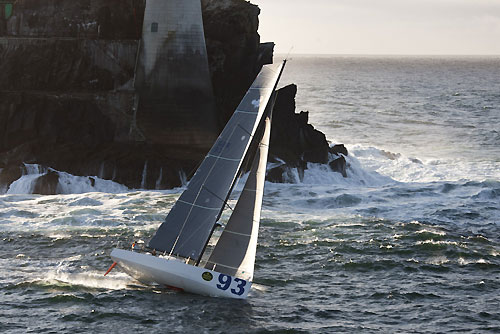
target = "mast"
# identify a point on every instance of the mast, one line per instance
(235, 251)
(257, 166)
(261, 125)
(190, 222)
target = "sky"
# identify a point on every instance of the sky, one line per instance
(399, 27)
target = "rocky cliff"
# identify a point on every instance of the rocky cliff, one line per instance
(67, 98)
(235, 53)
(295, 143)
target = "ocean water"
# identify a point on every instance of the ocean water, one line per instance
(409, 242)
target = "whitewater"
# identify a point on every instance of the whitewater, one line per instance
(408, 242)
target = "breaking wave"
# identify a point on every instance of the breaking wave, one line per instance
(63, 183)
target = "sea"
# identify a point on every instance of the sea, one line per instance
(408, 242)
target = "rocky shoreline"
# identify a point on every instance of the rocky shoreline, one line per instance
(67, 97)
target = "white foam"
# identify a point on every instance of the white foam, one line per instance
(321, 174)
(64, 273)
(183, 178)
(64, 214)
(144, 175)
(23, 185)
(160, 177)
(35, 169)
(68, 184)
(404, 168)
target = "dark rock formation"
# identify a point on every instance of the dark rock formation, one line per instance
(293, 140)
(286, 174)
(338, 149)
(65, 84)
(65, 65)
(9, 175)
(235, 54)
(67, 95)
(46, 184)
(67, 99)
(104, 19)
(339, 165)
(296, 143)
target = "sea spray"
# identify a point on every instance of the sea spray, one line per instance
(70, 184)
(144, 175)
(67, 183)
(160, 177)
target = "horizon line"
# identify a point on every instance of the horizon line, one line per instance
(388, 54)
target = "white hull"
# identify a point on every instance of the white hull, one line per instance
(173, 272)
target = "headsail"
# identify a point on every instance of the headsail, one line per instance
(190, 222)
(235, 251)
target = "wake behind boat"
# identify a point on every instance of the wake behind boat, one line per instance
(182, 239)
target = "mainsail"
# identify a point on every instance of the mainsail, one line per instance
(235, 251)
(190, 223)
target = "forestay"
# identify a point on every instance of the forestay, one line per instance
(190, 222)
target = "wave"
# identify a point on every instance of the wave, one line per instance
(405, 168)
(91, 279)
(374, 167)
(322, 174)
(62, 279)
(365, 166)
(35, 180)
(75, 213)
(379, 184)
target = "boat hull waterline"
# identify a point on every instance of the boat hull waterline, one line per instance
(172, 272)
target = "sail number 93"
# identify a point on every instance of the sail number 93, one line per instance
(225, 283)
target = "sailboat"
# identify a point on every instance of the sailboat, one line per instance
(175, 252)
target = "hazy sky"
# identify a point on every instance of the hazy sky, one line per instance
(466, 27)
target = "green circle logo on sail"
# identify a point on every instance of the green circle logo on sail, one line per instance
(207, 276)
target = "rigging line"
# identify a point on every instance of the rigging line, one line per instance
(237, 178)
(271, 97)
(242, 128)
(196, 205)
(194, 233)
(245, 162)
(288, 54)
(244, 112)
(237, 233)
(223, 201)
(197, 196)
(243, 166)
(200, 226)
(221, 157)
(259, 113)
(222, 265)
